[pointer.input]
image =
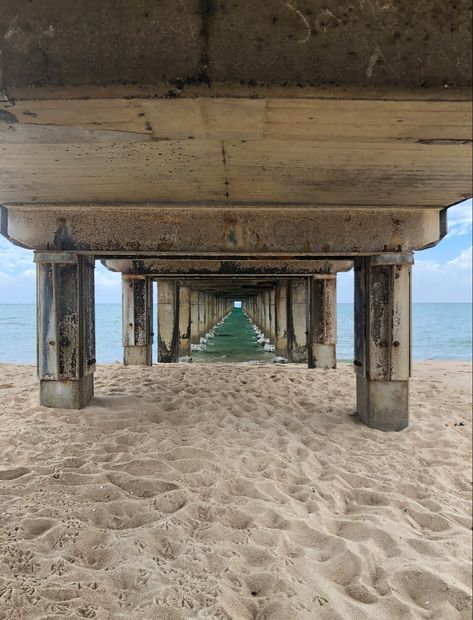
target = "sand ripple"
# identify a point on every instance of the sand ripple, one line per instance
(234, 492)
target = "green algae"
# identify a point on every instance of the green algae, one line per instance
(234, 341)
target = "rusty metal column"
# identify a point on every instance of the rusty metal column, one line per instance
(383, 329)
(65, 329)
(184, 321)
(323, 321)
(168, 321)
(137, 320)
(281, 319)
(298, 340)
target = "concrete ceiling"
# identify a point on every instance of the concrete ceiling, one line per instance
(172, 45)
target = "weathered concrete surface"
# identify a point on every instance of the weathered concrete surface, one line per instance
(232, 232)
(246, 267)
(137, 320)
(136, 41)
(65, 329)
(297, 321)
(383, 332)
(194, 307)
(67, 394)
(168, 321)
(305, 41)
(344, 152)
(184, 321)
(323, 322)
(383, 405)
(281, 309)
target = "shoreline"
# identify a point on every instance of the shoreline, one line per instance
(342, 362)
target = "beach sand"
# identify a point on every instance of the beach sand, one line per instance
(241, 492)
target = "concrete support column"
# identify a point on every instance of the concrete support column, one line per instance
(202, 314)
(267, 314)
(281, 319)
(206, 314)
(65, 329)
(323, 321)
(261, 313)
(383, 329)
(194, 310)
(272, 315)
(137, 320)
(298, 321)
(212, 311)
(168, 321)
(184, 321)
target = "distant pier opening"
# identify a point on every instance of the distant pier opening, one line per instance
(233, 340)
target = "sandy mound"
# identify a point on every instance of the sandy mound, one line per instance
(234, 492)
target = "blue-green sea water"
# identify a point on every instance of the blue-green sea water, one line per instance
(441, 331)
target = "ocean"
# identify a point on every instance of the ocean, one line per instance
(441, 331)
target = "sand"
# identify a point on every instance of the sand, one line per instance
(197, 491)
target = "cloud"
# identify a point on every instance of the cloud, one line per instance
(14, 260)
(460, 219)
(435, 281)
(463, 260)
(107, 279)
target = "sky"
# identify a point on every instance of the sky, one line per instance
(441, 274)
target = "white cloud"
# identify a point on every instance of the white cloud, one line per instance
(460, 219)
(463, 260)
(107, 279)
(451, 281)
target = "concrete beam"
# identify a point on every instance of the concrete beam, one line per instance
(158, 231)
(337, 152)
(208, 267)
(65, 329)
(175, 46)
(383, 332)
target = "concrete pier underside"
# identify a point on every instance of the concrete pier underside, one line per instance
(232, 150)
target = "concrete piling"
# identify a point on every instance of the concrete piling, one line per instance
(184, 321)
(137, 320)
(281, 338)
(383, 330)
(65, 328)
(168, 321)
(322, 339)
(297, 321)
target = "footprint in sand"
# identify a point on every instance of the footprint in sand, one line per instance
(34, 527)
(430, 591)
(171, 501)
(13, 474)
(142, 488)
